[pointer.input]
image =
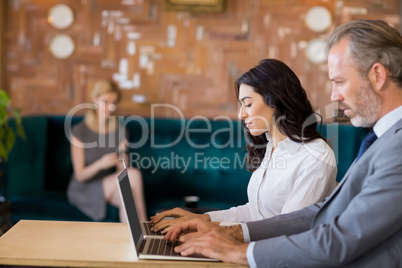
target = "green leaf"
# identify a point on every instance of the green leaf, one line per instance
(7, 134)
(4, 98)
(10, 140)
(2, 133)
(3, 115)
(3, 152)
(18, 123)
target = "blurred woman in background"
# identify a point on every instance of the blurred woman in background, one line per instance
(98, 146)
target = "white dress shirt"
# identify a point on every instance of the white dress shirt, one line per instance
(296, 175)
(387, 121)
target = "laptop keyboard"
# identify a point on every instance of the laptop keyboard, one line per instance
(163, 247)
(148, 230)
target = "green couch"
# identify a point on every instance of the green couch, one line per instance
(39, 168)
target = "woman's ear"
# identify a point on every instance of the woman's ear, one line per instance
(377, 76)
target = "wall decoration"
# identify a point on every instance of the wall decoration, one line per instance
(61, 46)
(195, 5)
(318, 19)
(61, 16)
(316, 51)
(192, 66)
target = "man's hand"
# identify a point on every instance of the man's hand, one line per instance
(179, 215)
(209, 240)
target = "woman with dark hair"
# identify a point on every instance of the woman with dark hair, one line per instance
(283, 93)
(292, 165)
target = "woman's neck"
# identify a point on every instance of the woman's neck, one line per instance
(102, 125)
(277, 137)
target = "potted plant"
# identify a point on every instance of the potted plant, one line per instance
(7, 140)
(7, 133)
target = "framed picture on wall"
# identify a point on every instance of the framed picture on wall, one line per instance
(195, 5)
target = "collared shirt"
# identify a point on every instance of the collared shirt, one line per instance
(387, 121)
(382, 125)
(294, 176)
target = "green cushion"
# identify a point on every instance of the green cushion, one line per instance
(40, 167)
(38, 172)
(214, 152)
(26, 165)
(59, 168)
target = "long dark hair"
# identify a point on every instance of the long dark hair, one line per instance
(281, 90)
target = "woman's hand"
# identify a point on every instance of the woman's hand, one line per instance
(108, 161)
(84, 173)
(178, 214)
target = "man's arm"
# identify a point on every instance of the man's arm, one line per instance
(360, 218)
(285, 224)
(226, 242)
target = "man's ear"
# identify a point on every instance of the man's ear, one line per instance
(377, 76)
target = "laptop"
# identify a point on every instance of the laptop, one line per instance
(148, 246)
(147, 232)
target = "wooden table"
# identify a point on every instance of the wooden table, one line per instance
(78, 244)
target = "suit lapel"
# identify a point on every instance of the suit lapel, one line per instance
(387, 135)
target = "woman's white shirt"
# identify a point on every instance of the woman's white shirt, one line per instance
(296, 175)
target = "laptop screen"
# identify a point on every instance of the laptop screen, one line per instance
(129, 205)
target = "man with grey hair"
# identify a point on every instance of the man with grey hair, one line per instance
(360, 224)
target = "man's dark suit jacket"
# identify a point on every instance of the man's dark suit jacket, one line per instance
(359, 225)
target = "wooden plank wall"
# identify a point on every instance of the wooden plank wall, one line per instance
(188, 61)
(3, 8)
